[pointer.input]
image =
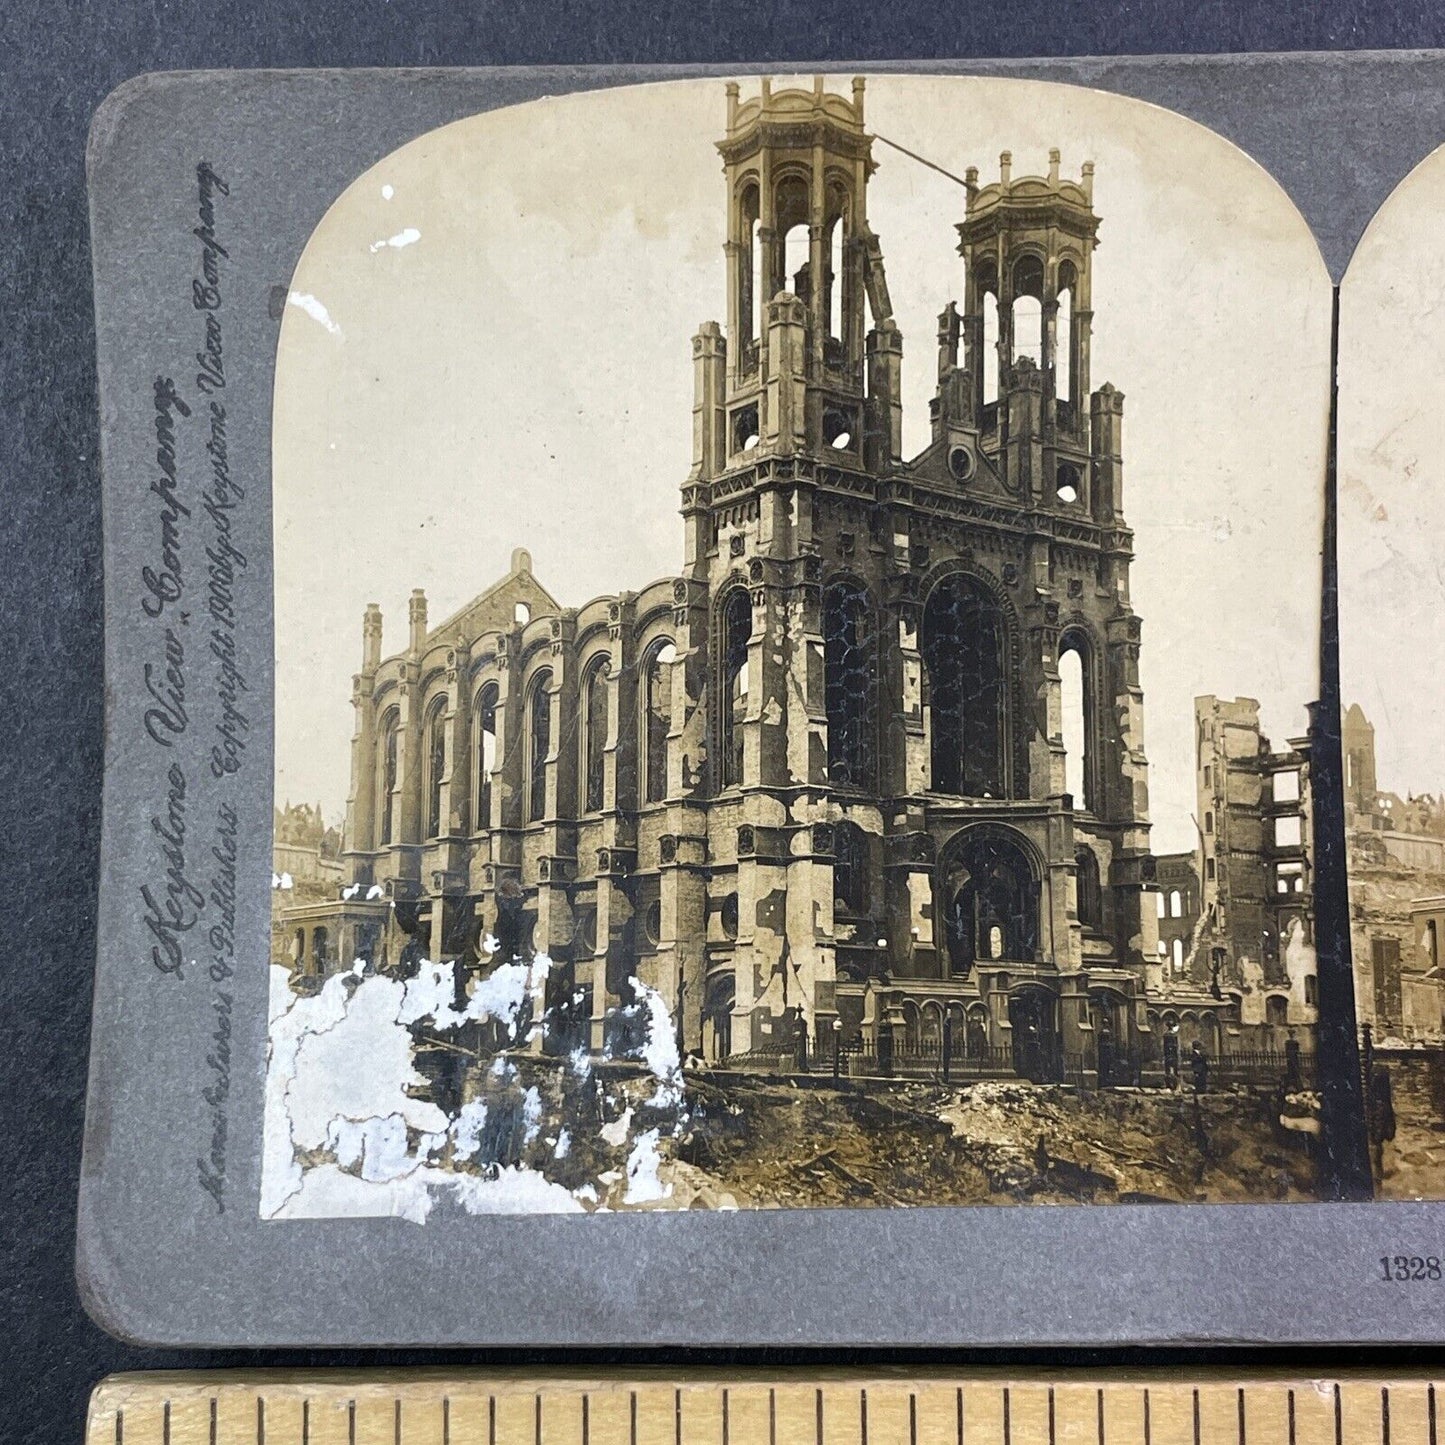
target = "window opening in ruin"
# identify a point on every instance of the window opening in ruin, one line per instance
(1074, 702)
(436, 753)
(1089, 889)
(848, 684)
(1176, 904)
(963, 652)
(990, 360)
(594, 745)
(486, 756)
(745, 428)
(737, 630)
(1178, 955)
(1066, 484)
(390, 740)
(539, 722)
(838, 429)
(1287, 832)
(1159, 904)
(1064, 335)
(1209, 822)
(521, 613)
(850, 870)
(1286, 787)
(992, 904)
(657, 722)
(1028, 313)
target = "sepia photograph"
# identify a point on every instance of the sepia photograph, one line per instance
(1392, 593)
(796, 619)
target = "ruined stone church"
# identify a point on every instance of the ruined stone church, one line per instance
(817, 780)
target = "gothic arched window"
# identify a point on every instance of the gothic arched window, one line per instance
(1028, 312)
(750, 277)
(656, 720)
(851, 891)
(436, 765)
(964, 638)
(1064, 333)
(848, 684)
(594, 735)
(1077, 697)
(737, 628)
(992, 904)
(539, 743)
(484, 752)
(386, 801)
(1087, 886)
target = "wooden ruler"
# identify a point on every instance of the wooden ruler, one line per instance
(880, 1407)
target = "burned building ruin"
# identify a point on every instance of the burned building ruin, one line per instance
(816, 785)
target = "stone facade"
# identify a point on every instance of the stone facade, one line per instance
(817, 782)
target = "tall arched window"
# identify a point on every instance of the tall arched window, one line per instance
(851, 892)
(1064, 334)
(964, 636)
(1076, 698)
(737, 628)
(790, 222)
(992, 903)
(990, 358)
(848, 684)
(594, 739)
(539, 743)
(1177, 955)
(750, 279)
(1089, 890)
(1028, 312)
(657, 720)
(484, 752)
(386, 778)
(436, 765)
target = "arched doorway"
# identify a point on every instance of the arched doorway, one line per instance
(1033, 1013)
(992, 901)
(717, 1018)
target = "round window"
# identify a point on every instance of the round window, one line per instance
(960, 463)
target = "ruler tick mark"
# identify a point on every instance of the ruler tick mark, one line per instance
(1099, 1413)
(772, 1418)
(677, 1417)
(912, 1418)
(1148, 1439)
(350, 1423)
(1339, 1419)
(1291, 1418)
(586, 1419)
(725, 1418)
(491, 1420)
(1429, 1411)
(862, 1414)
(1007, 1417)
(1196, 1417)
(1052, 1434)
(537, 1418)
(446, 1420)
(398, 1420)
(1384, 1415)
(960, 1415)
(260, 1420)
(306, 1422)
(632, 1418)
(166, 1423)
(818, 1411)
(1240, 1397)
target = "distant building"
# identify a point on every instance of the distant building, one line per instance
(1255, 825)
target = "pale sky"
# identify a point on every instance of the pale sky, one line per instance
(489, 347)
(1392, 480)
